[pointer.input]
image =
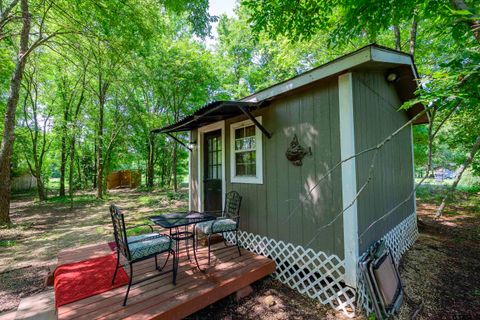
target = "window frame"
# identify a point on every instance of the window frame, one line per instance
(258, 178)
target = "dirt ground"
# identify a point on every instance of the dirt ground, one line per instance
(442, 270)
(440, 273)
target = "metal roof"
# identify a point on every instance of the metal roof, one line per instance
(210, 113)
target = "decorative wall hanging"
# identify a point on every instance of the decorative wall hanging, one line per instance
(295, 152)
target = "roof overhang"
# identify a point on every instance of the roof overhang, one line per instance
(371, 56)
(210, 113)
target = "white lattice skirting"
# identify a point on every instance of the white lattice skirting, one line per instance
(399, 240)
(318, 275)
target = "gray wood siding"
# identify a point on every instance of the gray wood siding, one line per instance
(280, 208)
(194, 183)
(376, 116)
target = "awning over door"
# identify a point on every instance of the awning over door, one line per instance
(212, 112)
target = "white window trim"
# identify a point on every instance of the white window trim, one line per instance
(220, 125)
(258, 179)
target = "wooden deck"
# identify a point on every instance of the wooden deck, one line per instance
(158, 298)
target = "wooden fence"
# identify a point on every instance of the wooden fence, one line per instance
(25, 182)
(123, 179)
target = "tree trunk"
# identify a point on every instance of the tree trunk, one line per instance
(102, 96)
(71, 169)
(150, 161)
(40, 186)
(413, 33)
(82, 182)
(472, 23)
(99, 154)
(461, 170)
(94, 182)
(174, 167)
(176, 116)
(8, 136)
(398, 40)
(63, 153)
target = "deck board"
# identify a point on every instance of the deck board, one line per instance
(158, 298)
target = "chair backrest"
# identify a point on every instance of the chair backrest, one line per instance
(233, 200)
(119, 231)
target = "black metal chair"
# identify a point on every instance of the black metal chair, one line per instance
(228, 222)
(141, 247)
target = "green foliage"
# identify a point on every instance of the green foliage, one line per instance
(141, 62)
(7, 243)
(149, 201)
(442, 35)
(134, 231)
(79, 199)
(144, 64)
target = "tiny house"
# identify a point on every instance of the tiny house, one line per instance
(319, 171)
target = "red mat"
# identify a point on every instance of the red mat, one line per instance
(80, 280)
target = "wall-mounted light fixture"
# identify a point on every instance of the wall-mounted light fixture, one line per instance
(192, 144)
(392, 77)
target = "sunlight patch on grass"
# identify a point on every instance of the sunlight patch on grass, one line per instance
(78, 199)
(150, 200)
(7, 243)
(100, 230)
(138, 230)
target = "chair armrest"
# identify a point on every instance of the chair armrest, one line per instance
(140, 225)
(159, 235)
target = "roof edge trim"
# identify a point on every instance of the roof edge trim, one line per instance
(368, 53)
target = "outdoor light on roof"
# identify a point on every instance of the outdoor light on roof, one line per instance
(392, 77)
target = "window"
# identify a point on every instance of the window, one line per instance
(246, 152)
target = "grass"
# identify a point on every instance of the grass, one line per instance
(139, 230)
(165, 198)
(465, 197)
(7, 243)
(149, 200)
(78, 199)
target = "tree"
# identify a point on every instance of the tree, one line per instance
(36, 120)
(25, 48)
(451, 31)
(117, 28)
(185, 82)
(8, 137)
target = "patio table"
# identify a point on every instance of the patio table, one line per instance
(174, 221)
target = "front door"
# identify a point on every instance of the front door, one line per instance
(212, 171)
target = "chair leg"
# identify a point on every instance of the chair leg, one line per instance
(116, 267)
(156, 262)
(238, 244)
(129, 285)
(208, 241)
